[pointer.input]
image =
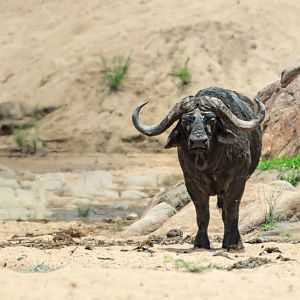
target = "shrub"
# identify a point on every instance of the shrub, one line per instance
(26, 142)
(184, 74)
(82, 212)
(115, 71)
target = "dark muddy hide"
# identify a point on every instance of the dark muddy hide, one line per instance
(218, 140)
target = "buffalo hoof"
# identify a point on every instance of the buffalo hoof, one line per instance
(201, 241)
(236, 248)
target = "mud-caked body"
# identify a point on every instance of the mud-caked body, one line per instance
(218, 140)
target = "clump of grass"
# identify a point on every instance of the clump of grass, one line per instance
(280, 163)
(269, 224)
(292, 177)
(288, 166)
(286, 235)
(40, 268)
(20, 137)
(270, 201)
(189, 266)
(82, 212)
(115, 71)
(118, 226)
(184, 73)
(25, 140)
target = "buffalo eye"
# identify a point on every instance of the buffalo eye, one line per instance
(210, 121)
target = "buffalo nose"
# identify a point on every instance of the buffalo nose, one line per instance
(198, 143)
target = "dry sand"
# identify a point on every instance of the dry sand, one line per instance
(128, 271)
(51, 55)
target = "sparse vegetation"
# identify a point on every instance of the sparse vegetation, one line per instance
(40, 268)
(189, 266)
(280, 163)
(292, 177)
(288, 166)
(82, 212)
(286, 235)
(26, 140)
(118, 226)
(184, 73)
(270, 201)
(115, 71)
(269, 224)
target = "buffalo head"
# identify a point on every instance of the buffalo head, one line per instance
(200, 121)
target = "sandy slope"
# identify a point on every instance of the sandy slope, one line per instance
(50, 54)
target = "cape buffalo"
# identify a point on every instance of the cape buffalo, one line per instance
(218, 140)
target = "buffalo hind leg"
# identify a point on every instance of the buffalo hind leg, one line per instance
(202, 210)
(230, 214)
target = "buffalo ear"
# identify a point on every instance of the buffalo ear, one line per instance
(226, 136)
(173, 138)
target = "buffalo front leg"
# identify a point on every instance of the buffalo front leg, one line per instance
(202, 210)
(230, 215)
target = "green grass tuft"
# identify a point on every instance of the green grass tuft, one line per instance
(269, 225)
(115, 71)
(184, 74)
(26, 141)
(280, 163)
(82, 212)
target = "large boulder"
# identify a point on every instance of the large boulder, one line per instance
(154, 219)
(176, 196)
(256, 203)
(281, 129)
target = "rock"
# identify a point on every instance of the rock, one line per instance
(6, 173)
(132, 216)
(26, 175)
(82, 202)
(176, 196)
(282, 100)
(288, 75)
(264, 176)
(54, 201)
(15, 214)
(168, 179)
(120, 206)
(26, 198)
(289, 207)
(88, 184)
(144, 181)
(53, 182)
(155, 217)
(132, 194)
(174, 233)
(12, 183)
(8, 198)
(27, 185)
(283, 185)
(107, 194)
(254, 207)
(185, 220)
